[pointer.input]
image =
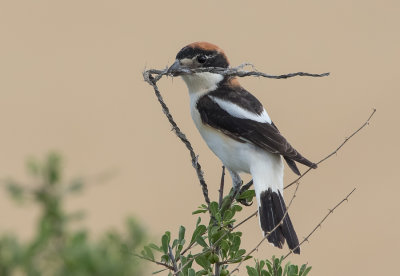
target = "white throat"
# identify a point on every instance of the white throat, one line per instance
(201, 83)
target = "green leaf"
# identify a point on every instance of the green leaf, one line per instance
(224, 245)
(235, 245)
(237, 208)
(251, 271)
(265, 273)
(155, 247)
(248, 195)
(302, 268)
(240, 252)
(218, 217)
(200, 240)
(269, 265)
(149, 253)
(185, 264)
(202, 261)
(279, 271)
(175, 243)
(247, 258)
(228, 215)
(191, 272)
(200, 230)
(276, 262)
(262, 263)
(226, 203)
(292, 270)
(306, 271)
(217, 235)
(198, 221)
(165, 258)
(198, 212)
(165, 242)
(214, 208)
(285, 271)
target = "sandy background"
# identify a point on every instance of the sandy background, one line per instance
(70, 80)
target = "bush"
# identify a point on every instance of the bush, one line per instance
(55, 248)
(216, 246)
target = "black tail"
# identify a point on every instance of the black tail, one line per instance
(271, 212)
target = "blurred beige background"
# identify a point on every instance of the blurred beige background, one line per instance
(70, 80)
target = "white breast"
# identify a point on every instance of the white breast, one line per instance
(233, 154)
(237, 156)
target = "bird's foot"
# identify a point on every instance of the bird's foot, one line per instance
(245, 196)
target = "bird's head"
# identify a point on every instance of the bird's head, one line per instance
(199, 55)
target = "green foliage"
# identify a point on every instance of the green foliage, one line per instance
(274, 267)
(215, 248)
(56, 249)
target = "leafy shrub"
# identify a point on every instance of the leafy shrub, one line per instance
(216, 246)
(56, 249)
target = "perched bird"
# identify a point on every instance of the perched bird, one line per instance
(237, 128)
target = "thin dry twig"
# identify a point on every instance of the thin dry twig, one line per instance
(200, 175)
(171, 256)
(221, 196)
(221, 188)
(322, 221)
(336, 150)
(150, 260)
(243, 221)
(248, 185)
(233, 71)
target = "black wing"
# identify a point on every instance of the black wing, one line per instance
(292, 165)
(263, 135)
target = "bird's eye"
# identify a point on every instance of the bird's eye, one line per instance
(201, 58)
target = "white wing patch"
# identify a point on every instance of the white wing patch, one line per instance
(239, 112)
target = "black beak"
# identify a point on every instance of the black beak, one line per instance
(176, 69)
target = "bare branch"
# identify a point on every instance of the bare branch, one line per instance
(248, 185)
(200, 175)
(320, 223)
(221, 197)
(221, 188)
(336, 150)
(234, 71)
(171, 256)
(189, 261)
(243, 221)
(150, 260)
